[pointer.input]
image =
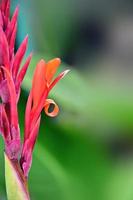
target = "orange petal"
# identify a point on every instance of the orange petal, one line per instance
(55, 111)
(51, 68)
(39, 82)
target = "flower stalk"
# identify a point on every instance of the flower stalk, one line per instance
(16, 183)
(18, 154)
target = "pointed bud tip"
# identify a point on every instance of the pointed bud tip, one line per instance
(27, 37)
(66, 72)
(17, 8)
(41, 62)
(31, 54)
(25, 41)
(16, 12)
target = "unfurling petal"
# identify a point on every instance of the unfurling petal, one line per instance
(47, 105)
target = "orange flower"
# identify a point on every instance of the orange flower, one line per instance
(43, 82)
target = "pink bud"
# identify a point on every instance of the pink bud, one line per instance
(22, 72)
(12, 24)
(4, 50)
(19, 56)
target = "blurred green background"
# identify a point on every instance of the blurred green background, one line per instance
(86, 153)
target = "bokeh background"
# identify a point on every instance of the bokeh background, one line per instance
(86, 153)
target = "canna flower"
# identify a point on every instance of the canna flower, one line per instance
(18, 157)
(43, 82)
(11, 77)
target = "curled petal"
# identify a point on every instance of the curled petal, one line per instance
(47, 105)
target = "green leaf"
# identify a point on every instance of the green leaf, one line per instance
(16, 185)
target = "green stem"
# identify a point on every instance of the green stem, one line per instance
(16, 183)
